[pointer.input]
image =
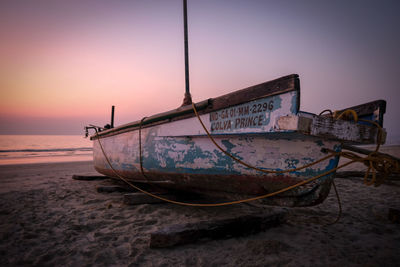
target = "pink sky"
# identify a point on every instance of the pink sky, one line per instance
(63, 64)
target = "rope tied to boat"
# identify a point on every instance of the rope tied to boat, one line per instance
(381, 164)
(374, 162)
(345, 115)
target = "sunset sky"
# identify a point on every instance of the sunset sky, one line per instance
(63, 64)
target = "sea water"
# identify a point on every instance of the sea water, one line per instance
(21, 149)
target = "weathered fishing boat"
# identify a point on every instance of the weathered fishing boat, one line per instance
(233, 143)
(260, 125)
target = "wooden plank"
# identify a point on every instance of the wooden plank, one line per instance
(343, 130)
(295, 123)
(180, 234)
(278, 86)
(328, 128)
(89, 177)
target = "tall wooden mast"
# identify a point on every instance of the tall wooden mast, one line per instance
(188, 98)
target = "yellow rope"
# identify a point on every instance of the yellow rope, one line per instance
(339, 205)
(346, 113)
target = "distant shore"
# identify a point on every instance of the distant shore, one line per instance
(46, 160)
(27, 149)
(47, 218)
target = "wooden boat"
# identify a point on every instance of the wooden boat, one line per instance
(261, 125)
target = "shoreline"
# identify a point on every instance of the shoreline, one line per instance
(45, 160)
(44, 163)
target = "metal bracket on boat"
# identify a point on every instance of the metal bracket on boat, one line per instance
(91, 126)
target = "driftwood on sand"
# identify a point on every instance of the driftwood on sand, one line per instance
(179, 234)
(89, 177)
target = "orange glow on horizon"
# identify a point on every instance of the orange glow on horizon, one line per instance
(71, 79)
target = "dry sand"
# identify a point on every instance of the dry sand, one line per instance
(47, 218)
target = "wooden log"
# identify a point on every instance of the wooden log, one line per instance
(111, 189)
(89, 177)
(180, 234)
(141, 198)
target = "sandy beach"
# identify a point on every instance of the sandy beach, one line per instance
(49, 219)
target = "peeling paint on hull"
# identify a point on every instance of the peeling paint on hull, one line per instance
(193, 163)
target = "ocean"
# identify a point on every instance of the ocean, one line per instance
(22, 149)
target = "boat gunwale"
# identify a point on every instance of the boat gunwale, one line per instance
(266, 89)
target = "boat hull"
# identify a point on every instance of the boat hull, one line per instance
(195, 164)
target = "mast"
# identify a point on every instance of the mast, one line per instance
(188, 98)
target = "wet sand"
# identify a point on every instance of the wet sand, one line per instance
(47, 218)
